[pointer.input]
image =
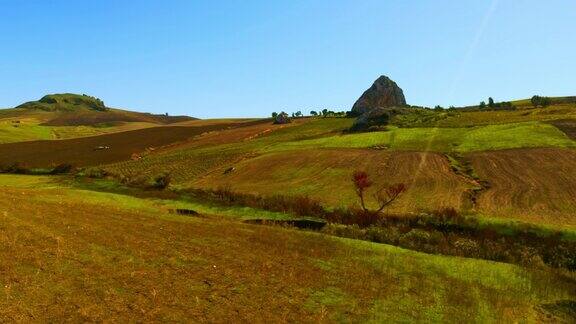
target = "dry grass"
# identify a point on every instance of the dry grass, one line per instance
(68, 256)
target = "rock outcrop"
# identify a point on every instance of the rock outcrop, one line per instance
(383, 93)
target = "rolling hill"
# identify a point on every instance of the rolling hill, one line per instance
(64, 116)
(107, 245)
(76, 110)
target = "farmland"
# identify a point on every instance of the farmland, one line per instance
(325, 175)
(288, 162)
(534, 184)
(313, 157)
(109, 249)
(82, 152)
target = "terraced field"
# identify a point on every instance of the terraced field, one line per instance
(90, 256)
(537, 185)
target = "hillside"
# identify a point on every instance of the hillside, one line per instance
(446, 158)
(495, 186)
(76, 110)
(96, 256)
(63, 116)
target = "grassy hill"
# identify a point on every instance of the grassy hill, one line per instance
(63, 116)
(65, 102)
(74, 110)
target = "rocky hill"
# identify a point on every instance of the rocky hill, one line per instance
(383, 93)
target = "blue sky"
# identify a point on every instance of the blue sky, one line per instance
(249, 58)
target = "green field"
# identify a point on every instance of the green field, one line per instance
(480, 138)
(457, 118)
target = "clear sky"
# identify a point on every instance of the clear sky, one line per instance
(249, 58)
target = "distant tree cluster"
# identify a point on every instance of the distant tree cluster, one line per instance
(538, 101)
(99, 101)
(493, 105)
(281, 118)
(321, 113)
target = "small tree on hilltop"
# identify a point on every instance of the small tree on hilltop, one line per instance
(482, 105)
(313, 113)
(384, 196)
(274, 115)
(490, 102)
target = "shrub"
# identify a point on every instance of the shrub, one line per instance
(415, 238)
(282, 118)
(466, 246)
(95, 173)
(161, 181)
(16, 168)
(62, 168)
(540, 101)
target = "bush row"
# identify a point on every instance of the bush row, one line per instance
(443, 231)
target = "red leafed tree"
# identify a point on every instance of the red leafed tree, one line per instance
(361, 183)
(383, 196)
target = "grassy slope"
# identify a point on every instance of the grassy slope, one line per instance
(481, 138)
(479, 118)
(94, 257)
